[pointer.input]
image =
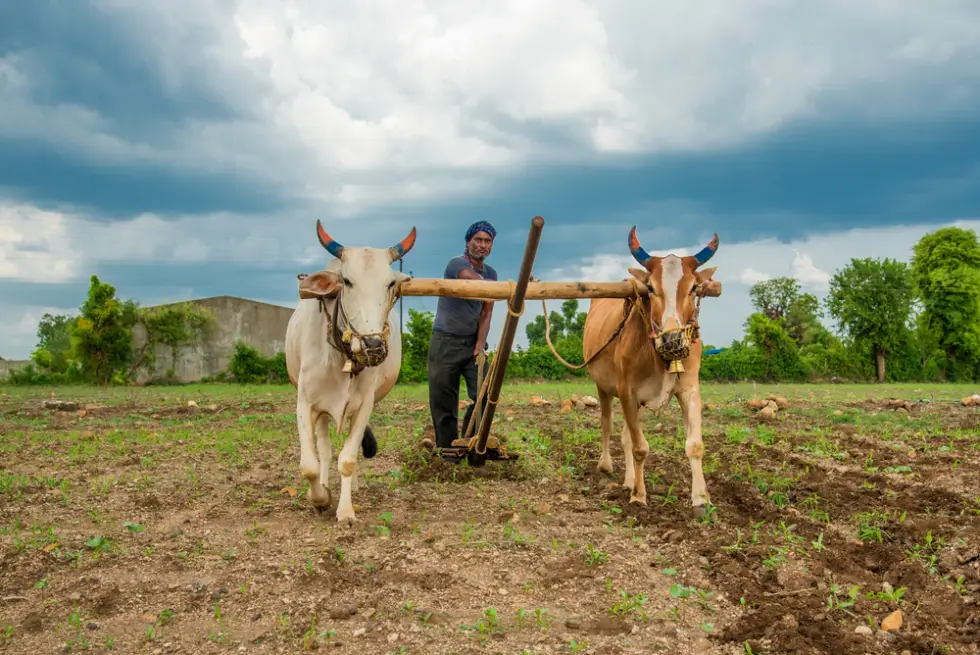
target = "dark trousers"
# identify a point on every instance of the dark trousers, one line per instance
(449, 357)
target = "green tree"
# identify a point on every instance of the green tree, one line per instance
(53, 351)
(946, 274)
(102, 335)
(415, 346)
(781, 300)
(780, 355)
(775, 297)
(568, 322)
(872, 302)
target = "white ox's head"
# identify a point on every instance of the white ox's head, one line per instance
(365, 285)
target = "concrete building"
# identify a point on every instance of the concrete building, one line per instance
(260, 325)
(8, 365)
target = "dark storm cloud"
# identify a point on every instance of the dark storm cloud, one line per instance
(147, 79)
(48, 179)
(803, 180)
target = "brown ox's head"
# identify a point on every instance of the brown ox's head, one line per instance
(367, 288)
(674, 284)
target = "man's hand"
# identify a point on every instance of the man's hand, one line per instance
(479, 348)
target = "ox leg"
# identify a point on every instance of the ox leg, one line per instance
(347, 461)
(627, 440)
(309, 466)
(638, 448)
(605, 422)
(324, 449)
(690, 402)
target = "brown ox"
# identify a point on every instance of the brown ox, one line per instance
(632, 369)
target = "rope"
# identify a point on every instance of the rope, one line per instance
(510, 311)
(480, 395)
(547, 329)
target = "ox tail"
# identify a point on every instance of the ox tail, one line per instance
(369, 445)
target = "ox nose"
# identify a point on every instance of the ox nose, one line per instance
(373, 343)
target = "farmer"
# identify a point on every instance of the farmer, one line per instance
(459, 335)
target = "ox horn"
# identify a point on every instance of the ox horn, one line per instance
(328, 242)
(639, 254)
(402, 247)
(708, 251)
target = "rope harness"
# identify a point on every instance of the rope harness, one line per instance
(672, 345)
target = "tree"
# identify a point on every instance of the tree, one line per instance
(570, 322)
(946, 275)
(415, 346)
(53, 351)
(780, 355)
(872, 301)
(102, 336)
(774, 297)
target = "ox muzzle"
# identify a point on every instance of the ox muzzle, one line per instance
(674, 345)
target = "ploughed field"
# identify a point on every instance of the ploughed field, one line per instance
(135, 522)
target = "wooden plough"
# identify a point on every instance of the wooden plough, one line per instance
(477, 446)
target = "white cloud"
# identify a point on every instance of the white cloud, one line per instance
(751, 276)
(807, 274)
(361, 104)
(59, 246)
(34, 246)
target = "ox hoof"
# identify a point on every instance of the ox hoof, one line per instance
(638, 501)
(321, 502)
(699, 511)
(347, 517)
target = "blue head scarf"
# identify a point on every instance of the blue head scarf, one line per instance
(480, 226)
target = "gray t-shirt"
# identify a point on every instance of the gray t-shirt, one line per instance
(456, 315)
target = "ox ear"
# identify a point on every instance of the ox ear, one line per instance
(642, 275)
(402, 277)
(705, 275)
(709, 288)
(322, 284)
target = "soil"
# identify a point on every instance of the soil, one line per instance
(144, 525)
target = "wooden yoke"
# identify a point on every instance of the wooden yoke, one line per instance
(497, 290)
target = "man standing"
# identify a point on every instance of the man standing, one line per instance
(459, 334)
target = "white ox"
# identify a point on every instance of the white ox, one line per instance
(343, 355)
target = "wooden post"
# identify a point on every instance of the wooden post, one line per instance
(477, 456)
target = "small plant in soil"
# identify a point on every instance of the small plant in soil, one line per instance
(594, 556)
(837, 603)
(629, 604)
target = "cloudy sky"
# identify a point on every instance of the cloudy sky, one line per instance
(184, 149)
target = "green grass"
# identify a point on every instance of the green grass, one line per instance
(512, 392)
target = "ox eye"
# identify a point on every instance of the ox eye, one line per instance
(348, 283)
(391, 285)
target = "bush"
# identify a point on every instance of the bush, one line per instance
(249, 366)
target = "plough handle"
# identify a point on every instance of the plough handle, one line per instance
(515, 309)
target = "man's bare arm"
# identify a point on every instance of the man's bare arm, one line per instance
(485, 314)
